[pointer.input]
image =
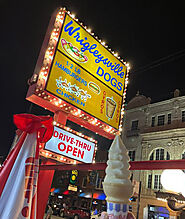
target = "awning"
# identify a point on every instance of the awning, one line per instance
(96, 195)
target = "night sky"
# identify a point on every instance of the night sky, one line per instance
(148, 34)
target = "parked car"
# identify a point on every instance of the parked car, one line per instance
(56, 208)
(75, 213)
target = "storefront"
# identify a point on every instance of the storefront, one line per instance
(157, 212)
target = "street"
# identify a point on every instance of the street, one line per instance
(54, 217)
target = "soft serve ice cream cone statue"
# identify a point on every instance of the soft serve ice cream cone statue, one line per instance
(117, 185)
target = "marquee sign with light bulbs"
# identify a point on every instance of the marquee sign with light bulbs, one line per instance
(78, 74)
(69, 146)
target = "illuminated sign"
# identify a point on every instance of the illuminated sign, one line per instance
(70, 145)
(84, 73)
(72, 188)
(72, 181)
(73, 84)
(73, 177)
(85, 50)
(78, 74)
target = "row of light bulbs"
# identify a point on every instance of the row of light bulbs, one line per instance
(75, 132)
(47, 62)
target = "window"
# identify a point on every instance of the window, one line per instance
(99, 184)
(183, 155)
(157, 182)
(167, 156)
(153, 121)
(149, 181)
(161, 120)
(159, 154)
(134, 125)
(131, 177)
(152, 156)
(84, 182)
(183, 116)
(154, 181)
(169, 118)
(131, 154)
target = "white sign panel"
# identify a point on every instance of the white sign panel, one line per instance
(70, 145)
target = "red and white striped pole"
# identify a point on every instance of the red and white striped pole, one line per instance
(19, 174)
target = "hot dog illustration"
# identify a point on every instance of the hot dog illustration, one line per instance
(73, 51)
(94, 87)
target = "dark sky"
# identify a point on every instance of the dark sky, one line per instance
(142, 32)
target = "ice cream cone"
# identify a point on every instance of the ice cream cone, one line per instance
(117, 210)
(117, 185)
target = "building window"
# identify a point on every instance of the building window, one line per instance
(161, 120)
(152, 156)
(154, 181)
(134, 125)
(149, 181)
(183, 116)
(183, 155)
(99, 184)
(84, 182)
(131, 154)
(157, 182)
(169, 118)
(167, 156)
(131, 177)
(153, 121)
(159, 154)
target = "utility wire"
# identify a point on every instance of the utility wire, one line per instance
(160, 61)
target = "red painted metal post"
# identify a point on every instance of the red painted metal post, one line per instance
(157, 165)
(134, 165)
(46, 177)
(44, 185)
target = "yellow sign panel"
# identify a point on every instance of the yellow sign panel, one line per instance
(84, 49)
(72, 83)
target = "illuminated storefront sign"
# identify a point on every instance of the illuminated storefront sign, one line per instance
(85, 50)
(73, 180)
(70, 145)
(78, 74)
(73, 84)
(87, 75)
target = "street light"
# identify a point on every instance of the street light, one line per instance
(174, 181)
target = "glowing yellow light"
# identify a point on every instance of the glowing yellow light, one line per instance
(89, 30)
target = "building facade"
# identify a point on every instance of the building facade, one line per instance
(154, 131)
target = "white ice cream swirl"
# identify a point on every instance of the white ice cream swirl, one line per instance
(117, 185)
(117, 169)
